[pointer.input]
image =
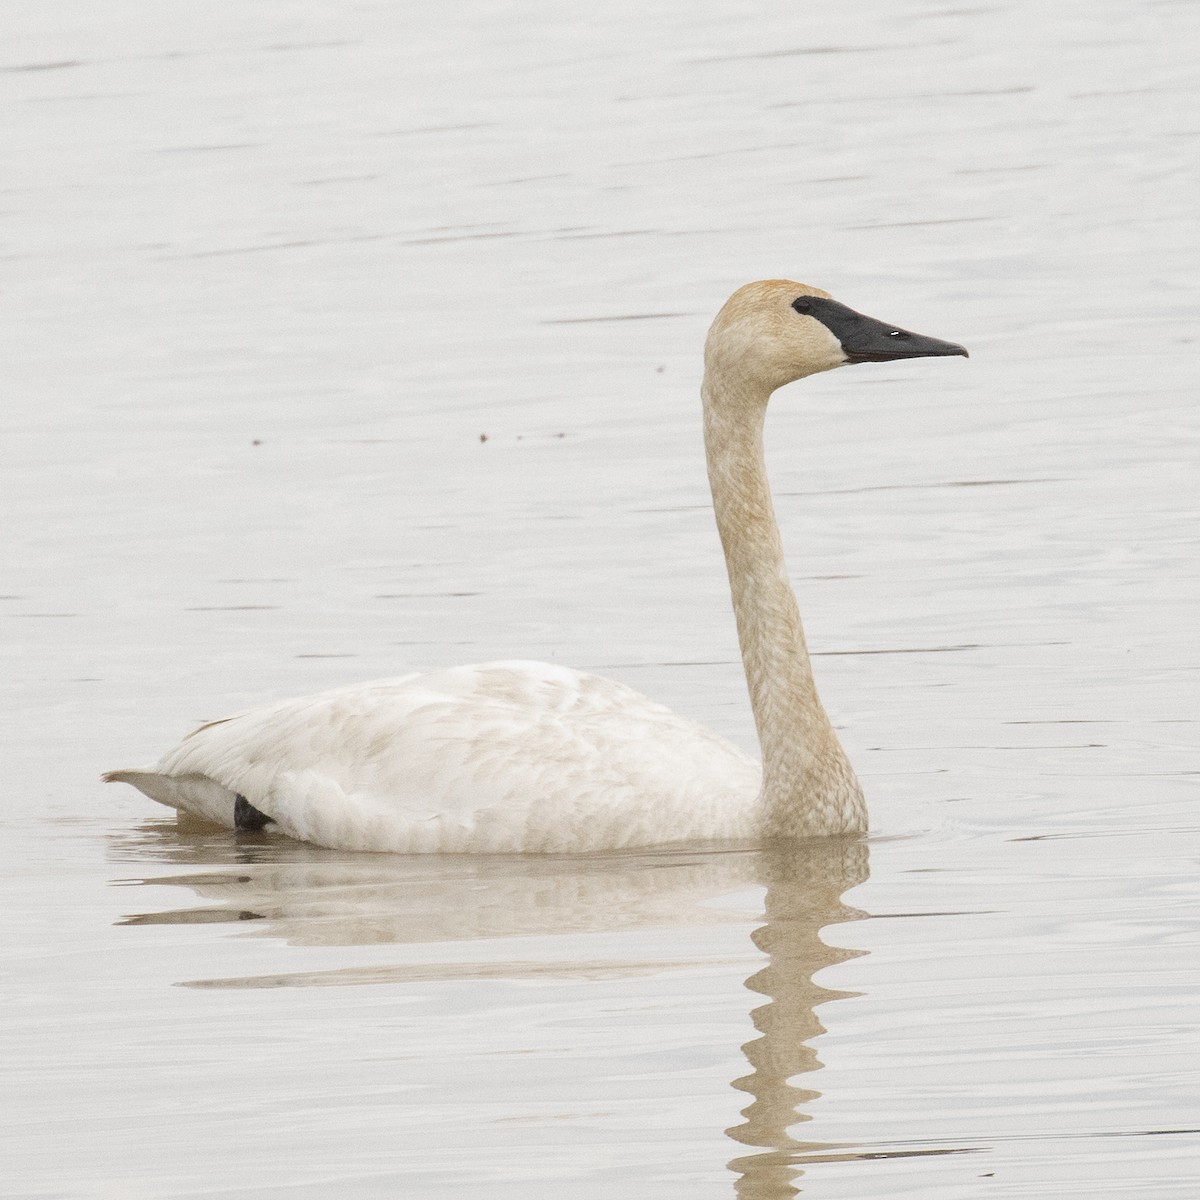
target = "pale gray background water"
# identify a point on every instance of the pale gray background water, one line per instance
(269, 272)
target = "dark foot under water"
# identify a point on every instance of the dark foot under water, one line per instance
(246, 816)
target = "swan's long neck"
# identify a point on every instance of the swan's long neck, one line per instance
(809, 787)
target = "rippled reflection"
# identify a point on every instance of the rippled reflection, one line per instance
(804, 894)
(308, 896)
(313, 897)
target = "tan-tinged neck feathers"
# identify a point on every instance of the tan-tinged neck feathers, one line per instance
(809, 787)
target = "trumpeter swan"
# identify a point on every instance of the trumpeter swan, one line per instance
(525, 756)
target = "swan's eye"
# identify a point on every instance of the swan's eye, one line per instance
(801, 305)
(902, 334)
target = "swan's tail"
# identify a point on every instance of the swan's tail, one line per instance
(195, 794)
(149, 783)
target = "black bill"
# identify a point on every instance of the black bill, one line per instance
(866, 340)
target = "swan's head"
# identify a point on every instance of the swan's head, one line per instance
(777, 331)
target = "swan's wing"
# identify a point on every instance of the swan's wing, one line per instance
(500, 757)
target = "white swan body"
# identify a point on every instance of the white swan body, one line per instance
(528, 757)
(500, 757)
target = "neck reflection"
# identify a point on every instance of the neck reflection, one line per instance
(805, 882)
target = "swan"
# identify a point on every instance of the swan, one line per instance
(520, 757)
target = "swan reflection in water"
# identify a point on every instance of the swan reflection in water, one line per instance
(309, 896)
(803, 894)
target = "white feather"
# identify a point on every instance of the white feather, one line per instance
(495, 758)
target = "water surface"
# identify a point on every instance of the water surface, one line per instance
(348, 341)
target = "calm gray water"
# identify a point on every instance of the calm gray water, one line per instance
(272, 271)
